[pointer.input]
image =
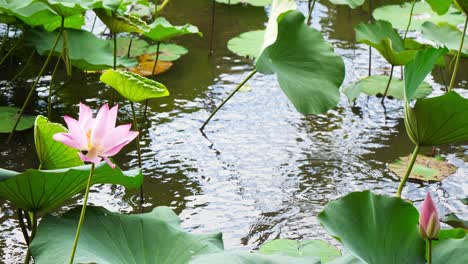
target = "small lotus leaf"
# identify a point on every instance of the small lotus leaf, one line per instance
(376, 84)
(425, 169)
(85, 50)
(312, 248)
(247, 44)
(454, 221)
(351, 3)
(8, 115)
(309, 72)
(53, 154)
(167, 51)
(445, 35)
(132, 86)
(112, 238)
(361, 222)
(161, 30)
(398, 15)
(44, 190)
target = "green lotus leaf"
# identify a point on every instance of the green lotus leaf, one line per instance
(44, 190)
(67, 8)
(53, 154)
(351, 3)
(119, 22)
(417, 70)
(451, 247)
(398, 15)
(425, 169)
(168, 51)
(161, 30)
(8, 115)
(312, 248)
(250, 2)
(376, 84)
(112, 238)
(346, 259)
(85, 50)
(133, 87)
(240, 257)
(440, 6)
(361, 222)
(445, 35)
(278, 8)
(7, 5)
(447, 125)
(247, 44)
(454, 221)
(381, 36)
(138, 47)
(309, 72)
(7, 19)
(463, 4)
(38, 14)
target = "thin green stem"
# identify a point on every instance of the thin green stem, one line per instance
(10, 51)
(135, 126)
(33, 87)
(227, 98)
(309, 17)
(129, 48)
(52, 79)
(407, 28)
(388, 85)
(408, 171)
(94, 23)
(82, 215)
(156, 58)
(162, 6)
(429, 256)
(33, 234)
(114, 36)
(22, 225)
(457, 62)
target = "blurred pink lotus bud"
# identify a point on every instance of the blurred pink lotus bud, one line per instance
(429, 224)
(98, 137)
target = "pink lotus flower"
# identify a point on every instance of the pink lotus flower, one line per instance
(429, 224)
(98, 137)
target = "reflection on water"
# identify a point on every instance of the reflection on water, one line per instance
(263, 170)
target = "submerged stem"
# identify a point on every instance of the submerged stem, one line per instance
(33, 87)
(135, 125)
(388, 85)
(408, 171)
(82, 215)
(227, 98)
(457, 61)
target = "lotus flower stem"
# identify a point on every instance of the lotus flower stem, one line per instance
(162, 6)
(135, 126)
(311, 8)
(408, 170)
(52, 79)
(82, 215)
(227, 98)
(33, 234)
(388, 85)
(10, 51)
(457, 61)
(429, 255)
(33, 87)
(22, 225)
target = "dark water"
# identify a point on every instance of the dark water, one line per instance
(263, 171)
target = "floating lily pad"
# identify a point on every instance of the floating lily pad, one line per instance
(309, 72)
(161, 30)
(398, 15)
(454, 221)
(381, 36)
(138, 47)
(44, 190)
(426, 169)
(351, 3)
(250, 2)
(8, 115)
(119, 22)
(445, 35)
(132, 86)
(85, 50)
(146, 64)
(242, 257)
(247, 44)
(313, 248)
(167, 52)
(112, 238)
(375, 85)
(53, 154)
(361, 222)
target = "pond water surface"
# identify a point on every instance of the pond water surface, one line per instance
(262, 171)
